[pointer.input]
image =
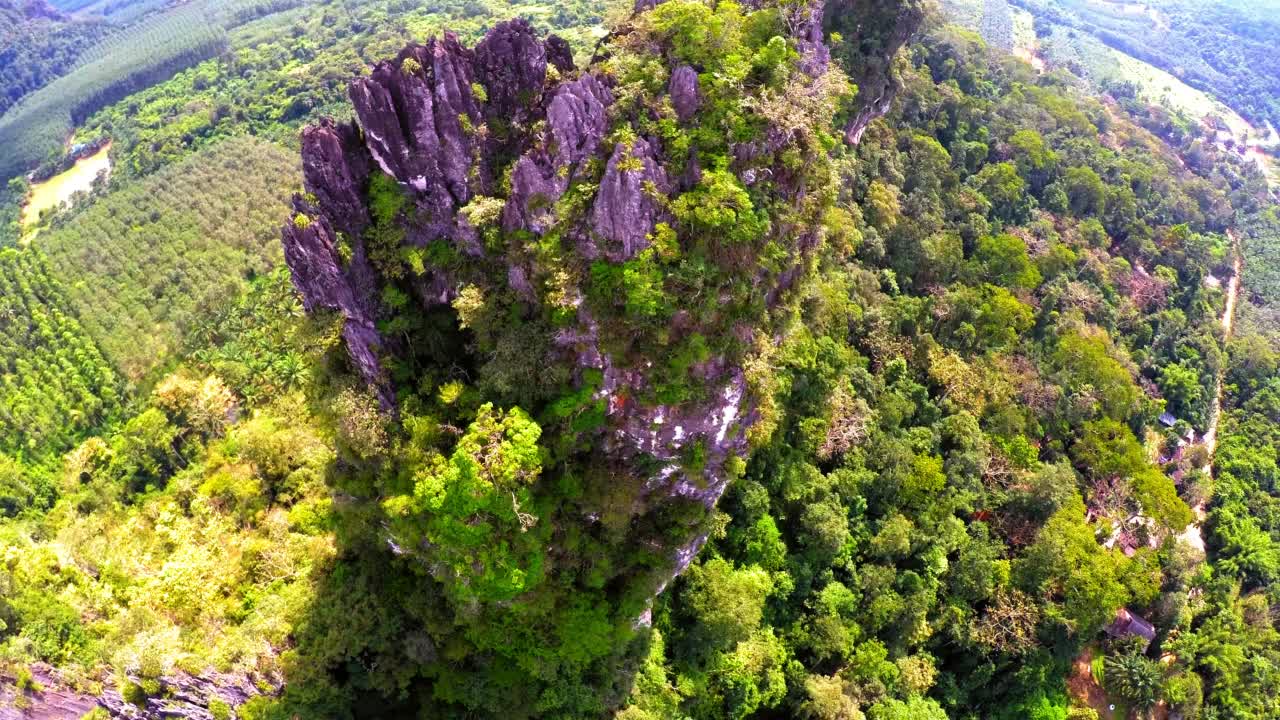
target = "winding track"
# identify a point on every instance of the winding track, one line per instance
(1192, 534)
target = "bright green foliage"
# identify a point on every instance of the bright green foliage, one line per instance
(1035, 160)
(1067, 563)
(1003, 260)
(728, 602)
(386, 201)
(478, 509)
(55, 384)
(1246, 550)
(653, 696)
(250, 345)
(720, 208)
(194, 578)
(144, 451)
(1085, 191)
(915, 708)
(1135, 678)
(700, 34)
(970, 349)
(1088, 368)
(1001, 184)
(1182, 387)
(1108, 450)
(18, 489)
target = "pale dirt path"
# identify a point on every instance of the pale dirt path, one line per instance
(1228, 320)
(1080, 683)
(1192, 535)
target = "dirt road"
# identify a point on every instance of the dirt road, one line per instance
(1192, 535)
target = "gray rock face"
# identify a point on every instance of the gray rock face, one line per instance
(662, 432)
(683, 88)
(326, 283)
(576, 118)
(535, 187)
(184, 697)
(626, 209)
(335, 168)
(54, 701)
(559, 54)
(418, 114)
(815, 56)
(873, 31)
(511, 63)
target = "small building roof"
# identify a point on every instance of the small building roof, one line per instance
(1128, 624)
(1167, 419)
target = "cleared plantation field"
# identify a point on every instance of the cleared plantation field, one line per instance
(965, 13)
(997, 24)
(1025, 43)
(1000, 23)
(33, 131)
(36, 50)
(54, 381)
(144, 264)
(1159, 86)
(1225, 48)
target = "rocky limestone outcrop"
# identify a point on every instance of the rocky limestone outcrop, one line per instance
(460, 130)
(328, 282)
(626, 207)
(414, 112)
(576, 123)
(683, 88)
(872, 32)
(409, 111)
(511, 64)
(183, 697)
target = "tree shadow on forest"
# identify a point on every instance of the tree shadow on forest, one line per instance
(380, 638)
(380, 641)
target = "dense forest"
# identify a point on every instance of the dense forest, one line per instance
(953, 382)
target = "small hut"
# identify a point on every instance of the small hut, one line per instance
(1128, 625)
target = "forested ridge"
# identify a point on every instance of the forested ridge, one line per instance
(464, 457)
(1223, 48)
(149, 51)
(36, 45)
